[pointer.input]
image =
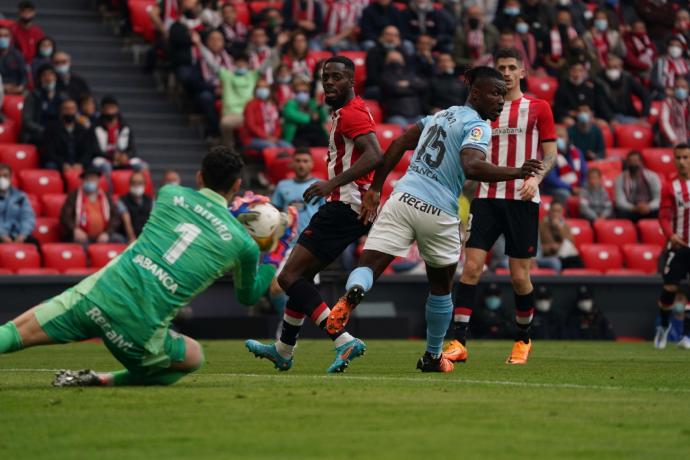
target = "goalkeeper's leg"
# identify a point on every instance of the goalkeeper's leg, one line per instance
(22, 332)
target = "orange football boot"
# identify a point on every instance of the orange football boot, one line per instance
(455, 351)
(520, 352)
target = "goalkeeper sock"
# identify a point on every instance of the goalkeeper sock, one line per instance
(278, 302)
(164, 377)
(439, 309)
(360, 276)
(10, 339)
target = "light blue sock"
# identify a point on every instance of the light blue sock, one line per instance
(278, 303)
(361, 276)
(439, 310)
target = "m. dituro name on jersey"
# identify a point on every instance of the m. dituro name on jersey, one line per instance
(217, 223)
(163, 277)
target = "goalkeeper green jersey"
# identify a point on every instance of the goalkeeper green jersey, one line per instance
(189, 241)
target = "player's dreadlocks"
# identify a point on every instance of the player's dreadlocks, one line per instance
(220, 168)
(476, 74)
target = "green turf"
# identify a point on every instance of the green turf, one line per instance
(573, 400)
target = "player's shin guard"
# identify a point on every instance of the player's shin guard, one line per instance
(524, 310)
(464, 300)
(439, 309)
(666, 300)
(10, 339)
(362, 277)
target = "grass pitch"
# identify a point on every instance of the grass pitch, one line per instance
(573, 400)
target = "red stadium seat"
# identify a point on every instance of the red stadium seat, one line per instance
(52, 204)
(36, 204)
(659, 160)
(613, 153)
(243, 13)
(84, 271)
(581, 230)
(601, 257)
(14, 256)
(654, 112)
(257, 6)
(37, 271)
(375, 110)
(544, 205)
(19, 156)
(542, 87)
(358, 57)
(12, 106)
(320, 55)
(5, 271)
(41, 181)
(580, 272)
(279, 169)
(643, 257)
(404, 162)
(607, 166)
(572, 207)
(386, 134)
(389, 185)
(320, 158)
(74, 181)
(625, 272)
(62, 256)
(101, 254)
(120, 180)
(615, 231)
(606, 133)
(270, 154)
(47, 230)
(650, 232)
(633, 136)
(8, 132)
(140, 19)
(609, 182)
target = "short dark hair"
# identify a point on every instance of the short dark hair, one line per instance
(241, 56)
(68, 99)
(633, 153)
(681, 146)
(347, 62)
(594, 170)
(5, 167)
(45, 68)
(476, 74)
(220, 168)
(109, 100)
(302, 150)
(508, 53)
(26, 5)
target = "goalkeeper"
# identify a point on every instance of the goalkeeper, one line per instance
(189, 241)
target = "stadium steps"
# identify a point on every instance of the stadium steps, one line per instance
(163, 135)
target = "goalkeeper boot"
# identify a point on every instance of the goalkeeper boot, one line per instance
(520, 352)
(661, 337)
(270, 353)
(81, 378)
(429, 363)
(346, 353)
(455, 351)
(340, 313)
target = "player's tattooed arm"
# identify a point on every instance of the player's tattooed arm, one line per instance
(530, 186)
(476, 167)
(550, 154)
(371, 158)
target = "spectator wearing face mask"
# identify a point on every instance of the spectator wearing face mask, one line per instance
(586, 135)
(585, 321)
(595, 202)
(475, 40)
(557, 239)
(421, 18)
(238, 89)
(638, 190)
(538, 15)
(422, 62)
(17, 218)
(41, 107)
(675, 115)
(376, 18)
(526, 43)
(573, 92)
(25, 33)
(669, 66)
(579, 52)
(282, 86)
(446, 89)
(557, 40)
(89, 214)
(493, 320)
(114, 140)
(304, 119)
(12, 64)
(568, 175)
(68, 83)
(505, 17)
(262, 128)
(547, 324)
(402, 92)
(615, 89)
(640, 51)
(603, 39)
(389, 40)
(66, 145)
(45, 48)
(135, 207)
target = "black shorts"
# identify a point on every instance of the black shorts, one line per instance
(517, 220)
(333, 228)
(677, 265)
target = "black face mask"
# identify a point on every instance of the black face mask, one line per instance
(473, 23)
(69, 118)
(108, 117)
(26, 20)
(633, 169)
(395, 66)
(189, 14)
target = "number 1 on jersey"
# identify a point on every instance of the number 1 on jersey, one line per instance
(188, 233)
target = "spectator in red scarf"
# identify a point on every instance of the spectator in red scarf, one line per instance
(674, 116)
(305, 15)
(234, 32)
(640, 51)
(556, 44)
(282, 86)
(668, 67)
(89, 215)
(297, 56)
(26, 35)
(569, 174)
(340, 26)
(262, 128)
(474, 40)
(638, 190)
(114, 140)
(260, 52)
(603, 39)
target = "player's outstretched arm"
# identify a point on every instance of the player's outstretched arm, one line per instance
(477, 168)
(369, 159)
(251, 279)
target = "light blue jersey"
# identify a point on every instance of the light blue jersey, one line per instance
(435, 173)
(289, 192)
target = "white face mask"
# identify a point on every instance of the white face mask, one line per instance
(4, 184)
(675, 51)
(543, 305)
(137, 190)
(613, 74)
(585, 305)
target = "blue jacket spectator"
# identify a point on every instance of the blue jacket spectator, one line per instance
(17, 218)
(12, 65)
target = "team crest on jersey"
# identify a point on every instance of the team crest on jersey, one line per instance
(476, 134)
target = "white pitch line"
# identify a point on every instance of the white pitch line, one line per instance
(567, 386)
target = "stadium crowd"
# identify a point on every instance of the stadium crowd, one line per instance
(614, 72)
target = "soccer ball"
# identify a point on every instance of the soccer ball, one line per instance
(263, 227)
